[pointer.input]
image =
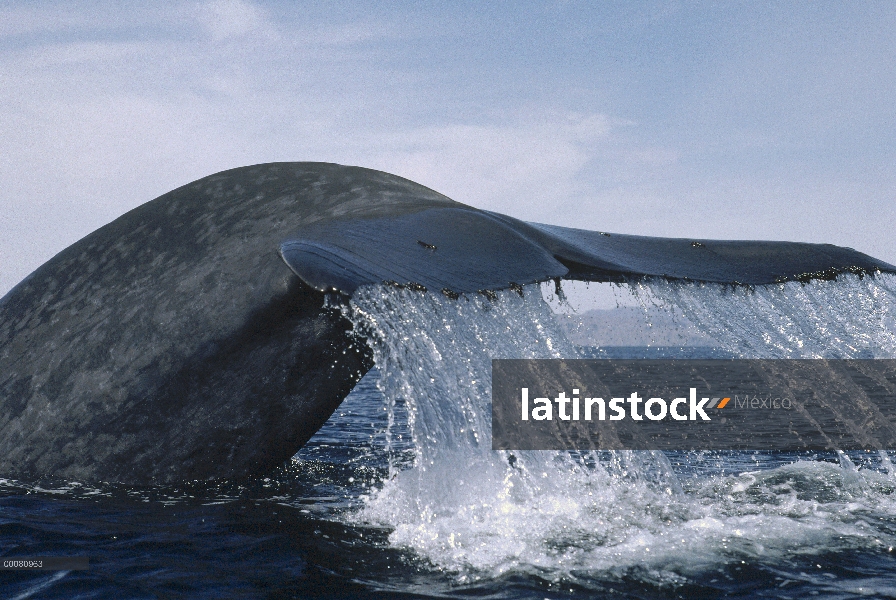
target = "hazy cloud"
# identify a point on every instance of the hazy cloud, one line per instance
(234, 19)
(103, 107)
(524, 167)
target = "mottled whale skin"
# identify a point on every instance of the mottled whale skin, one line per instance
(191, 339)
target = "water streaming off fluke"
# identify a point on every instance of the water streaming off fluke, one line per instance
(577, 516)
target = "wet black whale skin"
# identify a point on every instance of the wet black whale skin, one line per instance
(189, 338)
(174, 343)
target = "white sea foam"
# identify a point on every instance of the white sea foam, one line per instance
(481, 513)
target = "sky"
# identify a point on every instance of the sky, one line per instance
(727, 120)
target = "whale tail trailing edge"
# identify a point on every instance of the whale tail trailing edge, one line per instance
(463, 250)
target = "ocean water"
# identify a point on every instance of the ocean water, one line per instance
(400, 494)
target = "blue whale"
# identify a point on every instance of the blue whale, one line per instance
(192, 338)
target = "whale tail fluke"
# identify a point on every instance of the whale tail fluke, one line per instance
(463, 250)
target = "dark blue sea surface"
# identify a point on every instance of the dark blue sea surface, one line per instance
(292, 535)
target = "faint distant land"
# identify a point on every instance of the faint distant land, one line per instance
(632, 326)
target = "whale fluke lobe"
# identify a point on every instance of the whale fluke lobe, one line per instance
(190, 338)
(470, 250)
(456, 248)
